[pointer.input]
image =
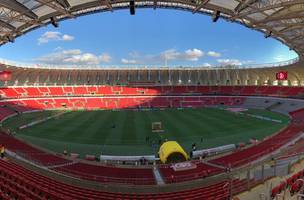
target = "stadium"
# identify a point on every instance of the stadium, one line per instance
(195, 133)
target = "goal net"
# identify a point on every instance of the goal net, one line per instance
(157, 127)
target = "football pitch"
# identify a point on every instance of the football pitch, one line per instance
(129, 132)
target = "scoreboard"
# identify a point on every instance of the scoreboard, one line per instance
(282, 75)
(5, 75)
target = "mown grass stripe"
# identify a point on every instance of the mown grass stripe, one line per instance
(124, 132)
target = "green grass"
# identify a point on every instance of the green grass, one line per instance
(15, 122)
(92, 132)
(267, 113)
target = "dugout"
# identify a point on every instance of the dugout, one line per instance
(171, 152)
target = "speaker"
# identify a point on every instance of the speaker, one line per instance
(216, 16)
(54, 22)
(10, 38)
(268, 34)
(132, 8)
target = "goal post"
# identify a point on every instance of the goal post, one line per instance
(157, 127)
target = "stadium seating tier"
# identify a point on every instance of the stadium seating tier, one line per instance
(23, 99)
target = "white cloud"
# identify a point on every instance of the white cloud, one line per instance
(225, 62)
(73, 57)
(173, 54)
(280, 58)
(167, 55)
(58, 48)
(66, 37)
(134, 54)
(170, 54)
(86, 58)
(126, 61)
(207, 65)
(105, 58)
(214, 54)
(71, 52)
(193, 54)
(54, 36)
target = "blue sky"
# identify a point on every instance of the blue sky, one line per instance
(151, 37)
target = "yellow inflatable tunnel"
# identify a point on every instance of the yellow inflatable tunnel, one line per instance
(171, 151)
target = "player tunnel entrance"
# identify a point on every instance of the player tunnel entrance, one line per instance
(172, 152)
